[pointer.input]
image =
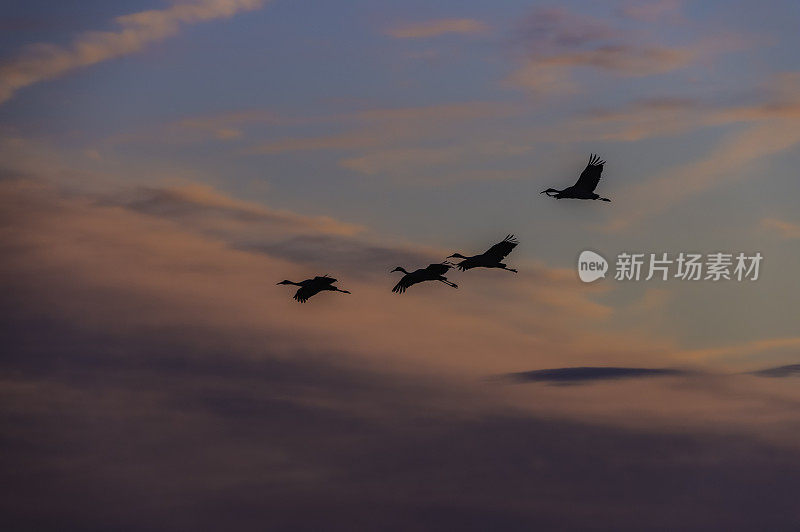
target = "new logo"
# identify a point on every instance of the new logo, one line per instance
(591, 266)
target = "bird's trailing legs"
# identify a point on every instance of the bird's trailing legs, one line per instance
(550, 192)
(504, 267)
(448, 283)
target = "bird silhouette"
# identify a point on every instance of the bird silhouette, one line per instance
(490, 258)
(434, 272)
(584, 187)
(311, 287)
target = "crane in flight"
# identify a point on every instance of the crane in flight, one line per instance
(311, 287)
(433, 272)
(584, 187)
(491, 258)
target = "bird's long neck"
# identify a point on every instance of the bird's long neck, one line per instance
(296, 284)
(402, 269)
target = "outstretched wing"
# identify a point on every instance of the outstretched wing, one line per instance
(404, 283)
(500, 250)
(304, 292)
(438, 268)
(591, 174)
(465, 265)
(324, 279)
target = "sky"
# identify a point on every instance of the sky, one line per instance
(164, 163)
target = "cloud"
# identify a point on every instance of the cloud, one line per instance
(582, 375)
(587, 375)
(460, 139)
(148, 361)
(623, 59)
(358, 258)
(552, 75)
(723, 164)
(203, 207)
(435, 28)
(40, 62)
(477, 141)
(221, 126)
(100, 430)
(784, 229)
(172, 256)
(768, 128)
(790, 370)
(556, 41)
(203, 269)
(652, 10)
(388, 126)
(753, 349)
(254, 228)
(555, 28)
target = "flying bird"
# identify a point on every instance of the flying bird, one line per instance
(311, 287)
(434, 272)
(491, 258)
(584, 187)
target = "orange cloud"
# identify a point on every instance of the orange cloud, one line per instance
(435, 28)
(786, 230)
(145, 264)
(119, 270)
(745, 349)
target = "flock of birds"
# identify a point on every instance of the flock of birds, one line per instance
(491, 258)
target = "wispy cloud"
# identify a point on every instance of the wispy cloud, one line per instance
(209, 209)
(751, 349)
(584, 375)
(723, 164)
(435, 28)
(785, 229)
(39, 62)
(790, 370)
(388, 141)
(386, 126)
(769, 128)
(555, 41)
(651, 10)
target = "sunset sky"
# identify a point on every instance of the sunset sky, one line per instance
(163, 163)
